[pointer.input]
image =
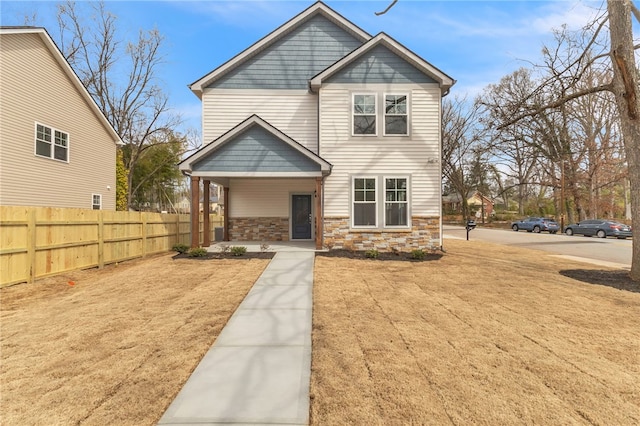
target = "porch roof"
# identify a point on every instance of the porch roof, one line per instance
(254, 148)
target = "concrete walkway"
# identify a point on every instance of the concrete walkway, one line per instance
(258, 370)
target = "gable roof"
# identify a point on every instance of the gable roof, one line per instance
(319, 7)
(66, 68)
(383, 39)
(186, 165)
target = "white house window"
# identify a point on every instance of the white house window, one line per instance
(364, 202)
(96, 201)
(396, 115)
(52, 143)
(396, 204)
(364, 114)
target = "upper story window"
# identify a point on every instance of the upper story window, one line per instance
(364, 114)
(52, 143)
(396, 118)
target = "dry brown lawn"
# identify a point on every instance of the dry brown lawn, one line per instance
(489, 335)
(115, 347)
(485, 335)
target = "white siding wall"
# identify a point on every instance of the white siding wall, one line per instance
(417, 154)
(34, 89)
(294, 112)
(265, 197)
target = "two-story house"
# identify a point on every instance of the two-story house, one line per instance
(322, 132)
(57, 148)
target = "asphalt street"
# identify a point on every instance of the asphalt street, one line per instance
(604, 250)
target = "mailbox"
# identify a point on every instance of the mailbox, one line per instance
(471, 224)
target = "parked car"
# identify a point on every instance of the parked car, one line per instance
(536, 224)
(601, 228)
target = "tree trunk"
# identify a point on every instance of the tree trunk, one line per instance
(625, 84)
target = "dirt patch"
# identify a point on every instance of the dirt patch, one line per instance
(218, 256)
(395, 256)
(488, 334)
(113, 346)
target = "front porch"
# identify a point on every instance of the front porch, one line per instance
(272, 186)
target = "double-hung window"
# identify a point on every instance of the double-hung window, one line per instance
(96, 201)
(364, 202)
(396, 204)
(396, 117)
(364, 114)
(52, 143)
(377, 196)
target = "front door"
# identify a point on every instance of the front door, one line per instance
(301, 217)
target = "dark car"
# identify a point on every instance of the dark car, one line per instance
(536, 224)
(601, 228)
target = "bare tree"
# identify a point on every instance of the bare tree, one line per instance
(574, 59)
(121, 77)
(461, 137)
(571, 61)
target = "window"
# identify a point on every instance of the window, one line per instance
(96, 201)
(52, 143)
(377, 196)
(364, 202)
(364, 114)
(396, 203)
(395, 115)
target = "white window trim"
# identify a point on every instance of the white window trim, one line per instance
(53, 143)
(384, 114)
(353, 200)
(381, 201)
(92, 203)
(384, 201)
(353, 113)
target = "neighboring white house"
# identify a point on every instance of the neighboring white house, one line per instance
(57, 149)
(322, 132)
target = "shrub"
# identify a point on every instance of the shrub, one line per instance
(181, 248)
(198, 252)
(418, 254)
(371, 254)
(238, 250)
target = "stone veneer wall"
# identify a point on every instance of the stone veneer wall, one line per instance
(259, 229)
(424, 234)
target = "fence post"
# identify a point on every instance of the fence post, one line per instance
(31, 245)
(143, 219)
(100, 239)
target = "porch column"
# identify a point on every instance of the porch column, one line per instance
(206, 207)
(195, 211)
(226, 213)
(319, 214)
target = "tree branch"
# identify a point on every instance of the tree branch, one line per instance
(387, 9)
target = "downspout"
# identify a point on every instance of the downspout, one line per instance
(441, 225)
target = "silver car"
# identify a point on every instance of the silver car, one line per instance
(601, 228)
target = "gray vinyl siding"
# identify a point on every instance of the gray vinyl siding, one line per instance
(292, 60)
(256, 150)
(380, 65)
(35, 89)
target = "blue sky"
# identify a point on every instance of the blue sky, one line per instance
(475, 42)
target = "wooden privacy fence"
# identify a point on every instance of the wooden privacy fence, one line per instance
(40, 241)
